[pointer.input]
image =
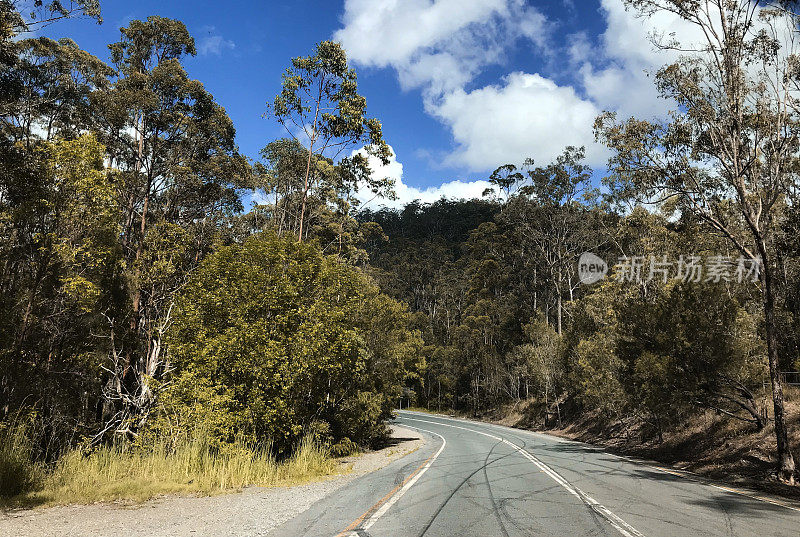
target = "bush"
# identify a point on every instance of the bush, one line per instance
(344, 447)
(271, 336)
(362, 417)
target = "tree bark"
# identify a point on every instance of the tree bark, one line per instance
(308, 173)
(305, 194)
(786, 466)
(559, 312)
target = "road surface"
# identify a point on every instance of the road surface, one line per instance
(475, 479)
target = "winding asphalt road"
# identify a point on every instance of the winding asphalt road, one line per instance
(475, 479)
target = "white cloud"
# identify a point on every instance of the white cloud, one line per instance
(385, 33)
(620, 77)
(213, 43)
(527, 116)
(405, 194)
(618, 74)
(437, 45)
(441, 46)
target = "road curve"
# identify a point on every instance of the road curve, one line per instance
(476, 479)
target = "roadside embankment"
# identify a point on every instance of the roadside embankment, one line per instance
(707, 444)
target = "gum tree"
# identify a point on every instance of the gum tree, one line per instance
(729, 154)
(177, 170)
(319, 105)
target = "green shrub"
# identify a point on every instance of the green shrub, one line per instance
(344, 447)
(271, 336)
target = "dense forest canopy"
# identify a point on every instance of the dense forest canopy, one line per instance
(140, 297)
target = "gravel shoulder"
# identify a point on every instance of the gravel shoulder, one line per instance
(252, 512)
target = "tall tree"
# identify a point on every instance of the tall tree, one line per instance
(319, 105)
(505, 178)
(32, 15)
(178, 170)
(50, 90)
(555, 220)
(57, 265)
(729, 154)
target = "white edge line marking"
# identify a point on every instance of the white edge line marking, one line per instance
(399, 494)
(616, 522)
(695, 479)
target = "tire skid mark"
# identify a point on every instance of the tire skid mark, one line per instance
(616, 522)
(465, 480)
(683, 474)
(360, 525)
(495, 508)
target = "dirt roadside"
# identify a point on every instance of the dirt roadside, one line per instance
(252, 512)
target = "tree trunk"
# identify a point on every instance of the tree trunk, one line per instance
(305, 194)
(308, 174)
(130, 357)
(785, 459)
(559, 312)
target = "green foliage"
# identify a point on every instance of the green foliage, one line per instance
(647, 351)
(145, 44)
(62, 262)
(288, 336)
(599, 374)
(86, 206)
(692, 344)
(319, 97)
(344, 448)
(322, 91)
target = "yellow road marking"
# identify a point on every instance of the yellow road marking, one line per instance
(380, 503)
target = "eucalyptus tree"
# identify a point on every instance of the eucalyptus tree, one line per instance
(177, 171)
(18, 17)
(329, 212)
(44, 84)
(729, 153)
(319, 105)
(49, 254)
(281, 181)
(52, 85)
(505, 178)
(27, 15)
(555, 220)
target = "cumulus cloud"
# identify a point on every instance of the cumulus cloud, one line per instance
(213, 43)
(526, 116)
(436, 45)
(442, 46)
(405, 193)
(624, 81)
(618, 74)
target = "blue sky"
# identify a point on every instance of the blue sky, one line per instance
(461, 86)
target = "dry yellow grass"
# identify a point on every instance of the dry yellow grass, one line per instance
(137, 474)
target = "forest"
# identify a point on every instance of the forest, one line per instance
(148, 304)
